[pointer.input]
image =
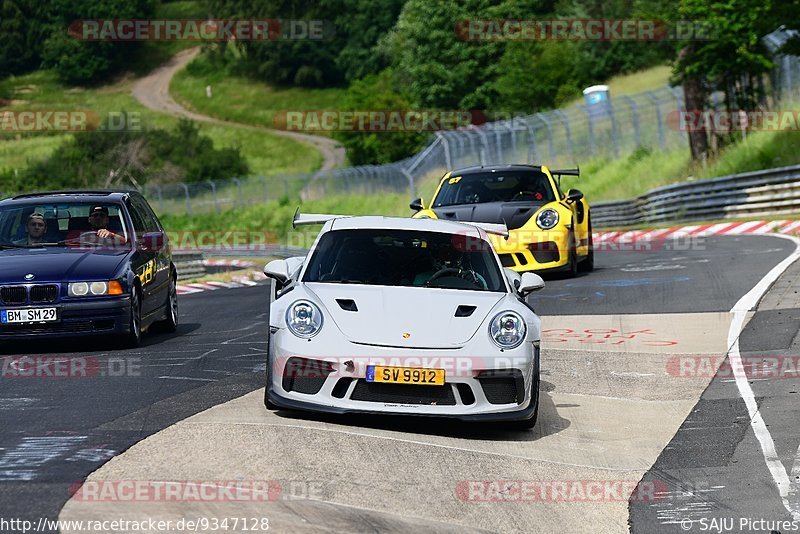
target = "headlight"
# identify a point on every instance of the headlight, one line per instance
(95, 289)
(507, 330)
(547, 219)
(304, 319)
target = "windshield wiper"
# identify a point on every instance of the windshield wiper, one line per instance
(5, 246)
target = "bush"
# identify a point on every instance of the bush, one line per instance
(377, 93)
(104, 159)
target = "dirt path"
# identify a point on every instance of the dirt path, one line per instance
(153, 92)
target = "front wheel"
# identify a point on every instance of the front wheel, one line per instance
(527, 424)
(134, 336)
(572, 246)
(587, 265)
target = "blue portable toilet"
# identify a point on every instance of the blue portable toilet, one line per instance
(596, 94)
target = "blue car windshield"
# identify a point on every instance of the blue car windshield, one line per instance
(501, 186)
(92, 226)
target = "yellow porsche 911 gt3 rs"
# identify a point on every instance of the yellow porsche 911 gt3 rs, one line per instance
(548, 230)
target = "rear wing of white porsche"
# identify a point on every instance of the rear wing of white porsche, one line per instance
(302, 219)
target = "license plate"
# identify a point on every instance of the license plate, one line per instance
(29, 315)
(405, 375)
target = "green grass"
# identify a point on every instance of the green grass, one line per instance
(243, 100)
(267, 154)
(635, 82)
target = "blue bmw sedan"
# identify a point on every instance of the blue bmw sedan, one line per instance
(84, 263)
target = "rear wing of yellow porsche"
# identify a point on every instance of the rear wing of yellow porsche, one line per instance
(558, 173)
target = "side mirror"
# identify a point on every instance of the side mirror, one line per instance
(513, 278)
(278, 270)
(417, 204)
(530, 282)
(150, 242)
(573, 195)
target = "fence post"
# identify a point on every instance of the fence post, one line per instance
(448, 161)
(550, 145)
(214, 194)
(485, 149)
(635, 115)
(188, 200)
(590, 129)
(239, 190)
(264, 194)
(533, 154)
(659, 122)
(160, 199)
(565, 121)
(510, 126)
(614, 129)
(411, 186)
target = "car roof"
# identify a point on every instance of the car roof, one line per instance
(99, 196)
(403, 223)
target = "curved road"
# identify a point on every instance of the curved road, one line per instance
(189, 407)
(153, 92)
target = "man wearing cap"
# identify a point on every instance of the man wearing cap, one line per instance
(35, 228)
(98, 219)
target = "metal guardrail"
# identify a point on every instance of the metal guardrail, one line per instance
(189, 264)
(750, 194)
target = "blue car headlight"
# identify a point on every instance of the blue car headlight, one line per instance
(94, 289)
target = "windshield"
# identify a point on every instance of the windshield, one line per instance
(89, 225)
(511, 186)
(405, 258)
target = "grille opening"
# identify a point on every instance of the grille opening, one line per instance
(305, 376)
(403, 393)
(44, 293)
(340, 389)
(14, 294)
(105, 324)
(503, 386)
(521, 258)
(347, 304)
(465, 392)
(465, 311)
(506, 260)
(545, 252)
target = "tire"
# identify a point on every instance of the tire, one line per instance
(527, 424)
(170, 324)
(587, 265)
(134, 336)
(572, 266)
(267, 402)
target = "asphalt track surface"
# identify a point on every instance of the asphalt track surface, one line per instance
(56, 431)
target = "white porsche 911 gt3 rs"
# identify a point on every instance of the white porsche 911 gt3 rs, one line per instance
(403, 316)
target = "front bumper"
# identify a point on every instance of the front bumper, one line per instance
(533, 250)
(496, 387)
(108, 315)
